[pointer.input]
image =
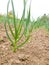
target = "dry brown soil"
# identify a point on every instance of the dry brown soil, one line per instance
(35, 52)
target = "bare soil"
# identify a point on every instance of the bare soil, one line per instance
(34, 52)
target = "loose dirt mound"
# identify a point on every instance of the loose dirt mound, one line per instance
(35, 52)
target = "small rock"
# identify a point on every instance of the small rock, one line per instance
(1, 39)
(15, 62)
(4, 47)
(23, 57)
(22, 48)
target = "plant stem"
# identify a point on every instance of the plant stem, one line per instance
(14, 49)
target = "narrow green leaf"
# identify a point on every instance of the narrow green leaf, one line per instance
(22, 18)
(16, 34)
(23, 42)
(8, 20)
(7, 33)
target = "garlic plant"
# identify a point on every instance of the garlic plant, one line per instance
(17, 29)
